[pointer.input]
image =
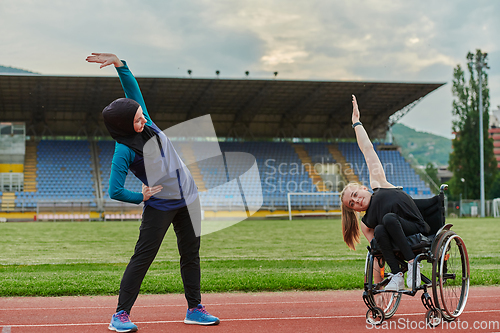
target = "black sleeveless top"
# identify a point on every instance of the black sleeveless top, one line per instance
(393, 200)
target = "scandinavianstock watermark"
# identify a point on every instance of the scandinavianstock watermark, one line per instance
(282, 177)
(405, 324)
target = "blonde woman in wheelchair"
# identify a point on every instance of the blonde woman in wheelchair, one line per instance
(390, 213)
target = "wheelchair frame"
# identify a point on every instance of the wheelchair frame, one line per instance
(441, 253)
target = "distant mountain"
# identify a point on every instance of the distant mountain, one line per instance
(12, 70)
(424, 147)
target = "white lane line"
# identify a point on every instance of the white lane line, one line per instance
(173, 305)
(207, 304)
(234, 319)
(181, 321)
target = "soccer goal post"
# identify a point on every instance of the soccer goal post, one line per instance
(496, 207)
(327, 200)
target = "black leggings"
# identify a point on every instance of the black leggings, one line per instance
(394, 229)
(155, 224)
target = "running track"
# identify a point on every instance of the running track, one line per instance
(327, 311)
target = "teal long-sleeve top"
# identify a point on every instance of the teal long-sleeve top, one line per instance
(123, 156)
(125, 159)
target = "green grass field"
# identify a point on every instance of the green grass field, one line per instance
(88, 258)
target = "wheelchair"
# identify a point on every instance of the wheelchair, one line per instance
(449, 279)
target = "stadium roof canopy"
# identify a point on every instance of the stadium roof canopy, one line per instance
(245, 108)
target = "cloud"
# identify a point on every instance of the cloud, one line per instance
(376, 40)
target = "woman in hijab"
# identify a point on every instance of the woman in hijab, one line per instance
(129, 124)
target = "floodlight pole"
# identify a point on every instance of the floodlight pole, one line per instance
(479, 67)
(481, 139)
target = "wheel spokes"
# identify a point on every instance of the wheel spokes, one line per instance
(453, 276)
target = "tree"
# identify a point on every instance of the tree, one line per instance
(495, 187)
(464, 159)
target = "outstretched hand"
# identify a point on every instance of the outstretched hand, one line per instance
(355, 110)
(105, 59)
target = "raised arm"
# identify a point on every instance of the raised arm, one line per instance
(123, 157)
(127, 79)
(375, 168)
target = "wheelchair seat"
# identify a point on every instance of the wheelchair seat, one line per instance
(418, 242)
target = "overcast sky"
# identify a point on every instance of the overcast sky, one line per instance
(394, 41)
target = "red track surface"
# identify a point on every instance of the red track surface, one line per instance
(328, 311)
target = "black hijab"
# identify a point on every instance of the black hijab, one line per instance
(119, 120)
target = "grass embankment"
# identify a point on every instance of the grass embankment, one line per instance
(53, 259)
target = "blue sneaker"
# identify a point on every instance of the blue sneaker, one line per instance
(200, 316)
(120, 322)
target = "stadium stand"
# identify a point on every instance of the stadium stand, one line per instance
(66, 172)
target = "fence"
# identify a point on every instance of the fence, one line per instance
(73, 210)
(472, 208)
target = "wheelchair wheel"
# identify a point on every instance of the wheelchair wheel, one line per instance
(375, 316)
(451, 276)
(388, 302)
(433, 317)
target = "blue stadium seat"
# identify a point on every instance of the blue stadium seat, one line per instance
(64, 167)
(64, 170)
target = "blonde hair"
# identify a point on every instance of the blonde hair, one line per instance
(350, 227)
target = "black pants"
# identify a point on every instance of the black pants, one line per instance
(394, 229)
(155, 224)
